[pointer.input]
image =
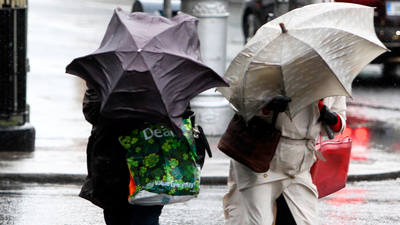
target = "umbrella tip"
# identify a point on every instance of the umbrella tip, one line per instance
(283, 27)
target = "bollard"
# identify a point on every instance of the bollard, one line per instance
(212, 112)
(16, 134)
(213, 16)
(212, 109)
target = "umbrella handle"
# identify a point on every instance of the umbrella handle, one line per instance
(329, 131)
(274, 117)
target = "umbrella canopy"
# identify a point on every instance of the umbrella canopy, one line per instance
(147, 68)
(307, 54)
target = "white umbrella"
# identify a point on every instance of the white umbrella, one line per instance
(306, 54)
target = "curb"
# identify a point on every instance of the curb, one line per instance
(78, 179)
(44, 178)
(221, 180)
(374, 177)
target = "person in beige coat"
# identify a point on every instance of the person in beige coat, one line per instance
(251, 196)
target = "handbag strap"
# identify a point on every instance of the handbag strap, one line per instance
(320, 137)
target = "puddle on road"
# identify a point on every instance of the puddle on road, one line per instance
(371, 137)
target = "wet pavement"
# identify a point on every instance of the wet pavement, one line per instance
(360, 203)
(375, 156)
(59, 31)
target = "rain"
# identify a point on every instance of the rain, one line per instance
(43, 185)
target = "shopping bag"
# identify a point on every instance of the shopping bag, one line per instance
(331, 176)
(253, 144)
(162, 166)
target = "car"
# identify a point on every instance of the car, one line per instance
(155, 6)
(386, 22)
(258, 12)
(387, 28)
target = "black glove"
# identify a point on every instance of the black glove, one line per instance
(278, 104)
(327, 116)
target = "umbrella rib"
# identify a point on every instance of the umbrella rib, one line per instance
(176, 55)
(248, 45)
(158, 89)
(245, 77)
(173, 24)
(127, 29)
(103, 67)
(307, 21)
(280, 63)
(338, 29)
(324, 62)
(244, 86)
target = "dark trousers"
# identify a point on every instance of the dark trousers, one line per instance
(134, 215)
(283, 214)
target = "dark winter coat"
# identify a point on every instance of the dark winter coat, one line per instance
(108, 176)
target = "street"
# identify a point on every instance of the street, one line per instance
(361, 203)
(59, 31)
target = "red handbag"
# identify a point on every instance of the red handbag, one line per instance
(331, 176)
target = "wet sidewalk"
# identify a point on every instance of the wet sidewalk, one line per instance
(374, 157)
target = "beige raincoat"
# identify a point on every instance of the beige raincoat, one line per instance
(252, 195)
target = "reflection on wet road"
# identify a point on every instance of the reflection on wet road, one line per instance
(361, 203)
(371, 135)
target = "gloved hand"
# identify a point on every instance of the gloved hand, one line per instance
(278, 104)
(327, 116)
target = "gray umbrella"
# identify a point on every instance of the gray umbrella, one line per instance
(148, 68)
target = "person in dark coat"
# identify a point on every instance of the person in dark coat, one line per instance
(107, 182)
